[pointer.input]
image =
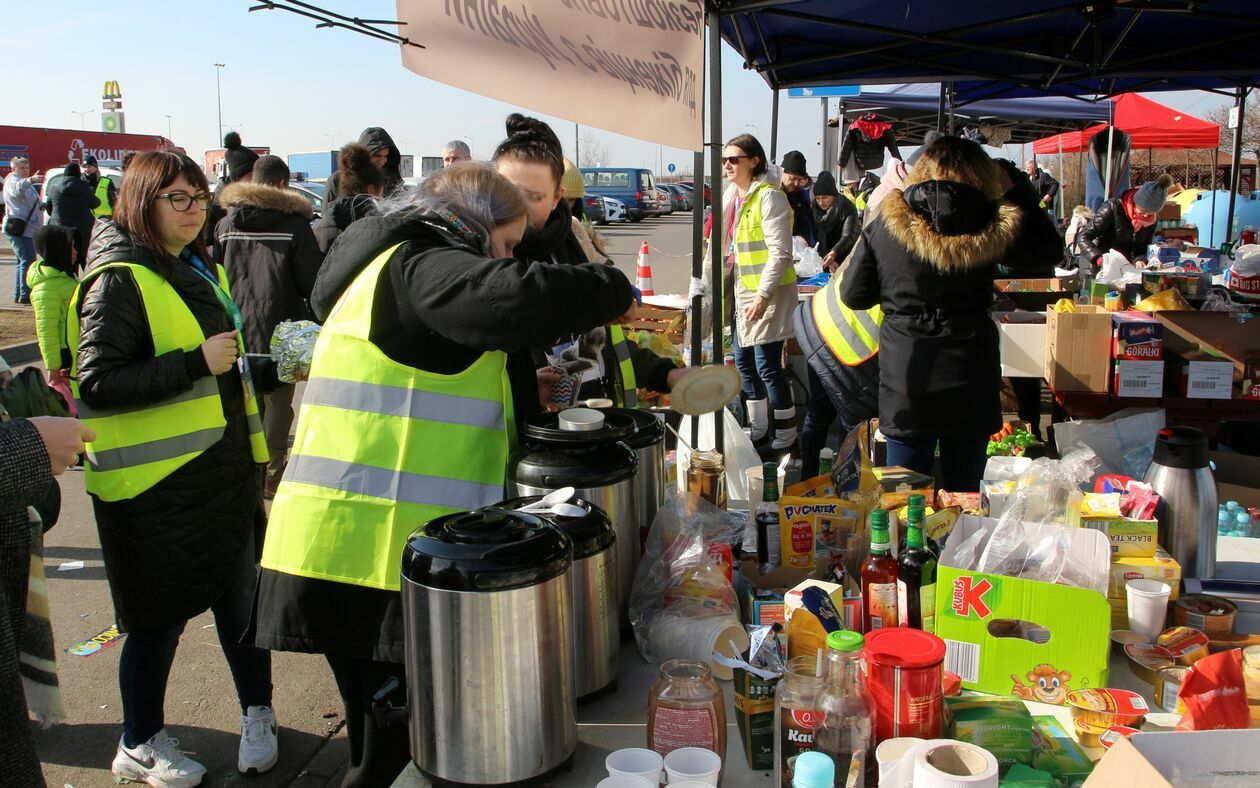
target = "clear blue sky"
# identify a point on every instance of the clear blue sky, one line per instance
(297, 88)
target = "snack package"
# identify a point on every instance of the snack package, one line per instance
(1055, 751)
(292, 346)
(1001, 725)
(814, 530)
(1215, 694)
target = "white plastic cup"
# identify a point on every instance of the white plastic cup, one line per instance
(693, 764)
(1148, 606)
(675, 636)
(690, 784)
(635, 762)
(757, 485)
(626, 781)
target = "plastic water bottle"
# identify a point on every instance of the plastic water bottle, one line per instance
(1231, 507)
(1224, 521)
(1243, 522)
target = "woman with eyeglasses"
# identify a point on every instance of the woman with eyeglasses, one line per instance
(757, 245)
(1125, 223)
(174, 470)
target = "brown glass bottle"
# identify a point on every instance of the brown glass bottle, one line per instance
(879, 578)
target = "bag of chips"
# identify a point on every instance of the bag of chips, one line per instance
(1214, 694)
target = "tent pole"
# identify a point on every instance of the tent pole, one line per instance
(1216, 156)
(697, 264)
(1111, 137)
(940, 110)
(716, 234)
(833, 165)
(1235, 173)
(950, 98)
(774, 125)
(1062, 178)
(823, 134)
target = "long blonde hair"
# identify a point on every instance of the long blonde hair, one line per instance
(958, 160)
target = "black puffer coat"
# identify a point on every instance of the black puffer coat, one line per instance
(838, 228)
(374, 138)
(268, 249)
(868, 153)
(70, 201)
(170, 551)
(928, 261)
(338, 215)
(442, 304)
(1111, 228)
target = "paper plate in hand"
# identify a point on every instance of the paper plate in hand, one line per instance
(706, 390)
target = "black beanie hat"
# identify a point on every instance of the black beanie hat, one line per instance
(825, 185)
(89, 160)
(794, 163)
(240, 160)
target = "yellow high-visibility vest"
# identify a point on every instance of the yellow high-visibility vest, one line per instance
(382, 448)
(852, 335)
(627, 387)
(751, 251)
(102, 194)
(137, 447)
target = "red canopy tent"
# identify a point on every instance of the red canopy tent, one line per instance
(1149, 123)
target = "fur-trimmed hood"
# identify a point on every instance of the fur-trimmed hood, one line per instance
(256, 195)
(950, 226)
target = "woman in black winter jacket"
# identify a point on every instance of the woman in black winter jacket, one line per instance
(928, 261)
(836, 222)
(70, 200)
(1125, 223)
(446, 297)
(189, 542)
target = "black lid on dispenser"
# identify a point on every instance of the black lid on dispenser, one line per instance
(1181, 447)
(591, 533)
(487, 550)
(648, 428)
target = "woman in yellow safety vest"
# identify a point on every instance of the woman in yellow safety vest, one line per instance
(420, 374)
(757, 244)
(531, 159)
(173, 471)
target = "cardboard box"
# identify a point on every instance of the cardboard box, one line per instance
(1179, 758)
(1078, 349)
(1130, 538)
(849, 605)
(1160, 566)
(1136, 336)
(1051, 285)
(1067, 628)
(1139, 379)
(1022, 343)
(898, 484)
(1237, 477)
(1217, 331)
(1198, 375)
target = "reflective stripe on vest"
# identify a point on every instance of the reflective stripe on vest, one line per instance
(627, 386)
(137, 447)
(102, 194)
(382, 448)
(852, 336)
(751, 251)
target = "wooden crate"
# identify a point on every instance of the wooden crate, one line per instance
(664, 320)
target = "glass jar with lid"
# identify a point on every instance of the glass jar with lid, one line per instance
(706, 477)
(794, 715)
(686, 709)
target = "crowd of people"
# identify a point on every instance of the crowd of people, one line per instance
(156, 303)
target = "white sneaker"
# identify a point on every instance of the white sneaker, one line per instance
(259, 745)
(159, 763)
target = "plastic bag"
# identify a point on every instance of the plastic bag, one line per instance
(1243, 277)
(1115, 269)
(292, 347)
(685, 576)
(1214, 694)
(1123, 441)
(808, 261)
(1031, 540)
(737, 451)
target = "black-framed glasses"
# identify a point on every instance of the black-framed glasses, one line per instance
(183, 201)
(733, 159)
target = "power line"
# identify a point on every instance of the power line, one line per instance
(326, 18)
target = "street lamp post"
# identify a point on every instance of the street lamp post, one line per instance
(168, 127)
(218, 92)
(82, 117)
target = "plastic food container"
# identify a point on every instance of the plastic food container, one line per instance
(1114, 734)
(1212, 615)
(1123, 637)
(905, 678)
(1187, 645)
(1147, 659)
(1089, 735)
(1102, 708)
(1168, 689)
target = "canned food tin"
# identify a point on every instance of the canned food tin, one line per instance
(1168, 689)
(1187, 645)
(1209, 614)
(1147, 659)
(1102, 708)
(1114, 734)
(1089, 735)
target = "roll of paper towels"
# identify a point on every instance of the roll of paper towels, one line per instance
(942, 763)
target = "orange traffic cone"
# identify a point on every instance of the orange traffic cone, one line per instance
(644, 273)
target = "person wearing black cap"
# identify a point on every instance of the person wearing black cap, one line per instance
(836, 221)
(386, 157)
(71, 201)
(238, 160)
(105, 189)
(795, 184)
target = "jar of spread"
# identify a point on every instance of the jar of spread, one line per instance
(686, 709)
(706, 477)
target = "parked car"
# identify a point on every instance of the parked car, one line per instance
(313, 192)
(632, 185)
(615, 210)
(691, 187)
(682, 197)
(665, 200)
(594, 208)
